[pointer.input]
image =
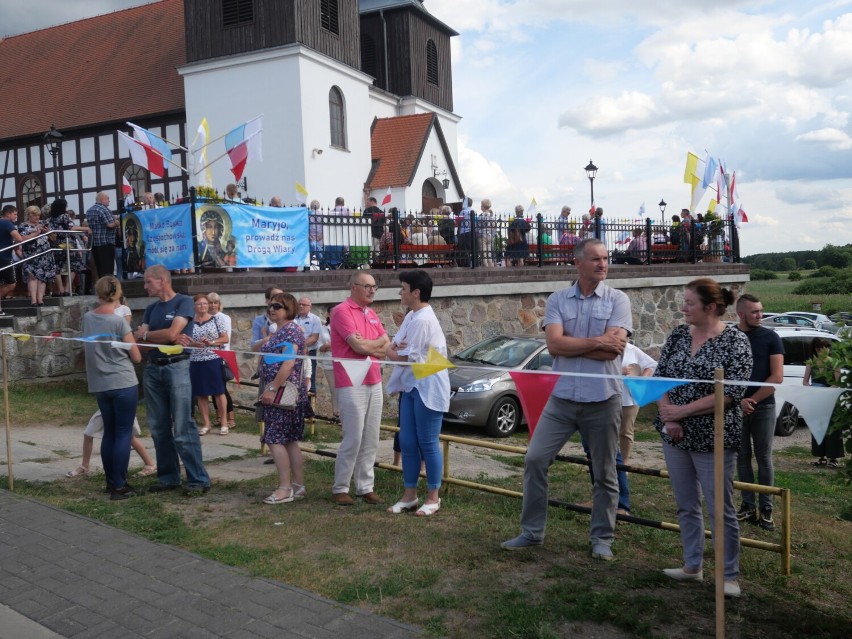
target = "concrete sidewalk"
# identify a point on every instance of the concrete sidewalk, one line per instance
(65, 575)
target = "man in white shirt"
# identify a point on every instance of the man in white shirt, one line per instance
(311, 326)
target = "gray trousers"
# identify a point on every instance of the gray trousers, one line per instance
(691, 474)
(758, 435)
(598, 424)
(360, 420)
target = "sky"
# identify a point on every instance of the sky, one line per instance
(545, 86)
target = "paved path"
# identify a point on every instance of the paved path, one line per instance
(63, 575)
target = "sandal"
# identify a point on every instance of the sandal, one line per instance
(299, 491)
(275, 499)
(832, 463)
(77, 472)
(427, 510)
(404, 506)
(224, 430)
(147, 471)
(203, 431)
(822, 461)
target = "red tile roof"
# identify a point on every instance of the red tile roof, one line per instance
(397, 145)
(110, 68)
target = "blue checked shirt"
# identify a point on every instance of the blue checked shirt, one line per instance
(98, 217)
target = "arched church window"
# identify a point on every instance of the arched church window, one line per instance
(337, 117)
(431, 62)
(429, 189)
(31, 192)
(138, 178)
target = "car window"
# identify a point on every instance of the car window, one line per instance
(541, 362)
(797, 350)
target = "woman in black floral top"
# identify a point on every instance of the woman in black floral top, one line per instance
(686, 419)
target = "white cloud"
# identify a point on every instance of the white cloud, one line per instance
(834, 139)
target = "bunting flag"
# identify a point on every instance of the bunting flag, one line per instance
(693, 175)
(153, 140)
(301, 194)
(230, 358)
(739, 214)
(243, 144)
(435, 363)
(203, 132)
(356, 369)
(534, 390)
(21, 337)
(387, 198)
(287, 353)
(170, 350)
(126, 189)
(646, 390)
(97, 338)
(144, 155)
(815, 405)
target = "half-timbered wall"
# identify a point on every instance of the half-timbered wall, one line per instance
(90, 161)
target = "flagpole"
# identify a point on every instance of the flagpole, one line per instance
(225, 134)
(166, 140)
(256, 133)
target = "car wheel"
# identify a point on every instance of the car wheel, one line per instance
(504, 418)
(787, 421)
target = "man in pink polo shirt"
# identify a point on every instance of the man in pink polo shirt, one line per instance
(357, 333)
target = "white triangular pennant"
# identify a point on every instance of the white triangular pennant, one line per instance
(357, 369)
(815, 405)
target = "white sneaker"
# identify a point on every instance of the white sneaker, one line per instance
(732, 588)
(679, 574)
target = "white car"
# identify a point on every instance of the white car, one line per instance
(822, 322)
(797, 350)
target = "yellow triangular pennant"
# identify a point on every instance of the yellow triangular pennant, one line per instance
(435, 363)
(171, 350)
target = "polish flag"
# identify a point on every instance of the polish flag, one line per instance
(126, 189)
(145, 156)
(387, 198)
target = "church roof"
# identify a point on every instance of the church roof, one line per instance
(398, 145)
(109, 68)
(372, 6)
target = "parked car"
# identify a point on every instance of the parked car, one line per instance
(788, 320)
(482, 395)
(822, 322)
(797, 350)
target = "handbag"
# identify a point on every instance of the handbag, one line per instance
(287, 395)
(227, 373)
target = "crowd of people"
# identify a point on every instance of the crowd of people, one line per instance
(588, 327)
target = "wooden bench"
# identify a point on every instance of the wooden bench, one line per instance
(665, 253)
(551, 254)
(435, 255)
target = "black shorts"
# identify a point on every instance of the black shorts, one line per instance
(7, 274)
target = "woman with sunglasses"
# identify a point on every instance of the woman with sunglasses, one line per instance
(284, 428)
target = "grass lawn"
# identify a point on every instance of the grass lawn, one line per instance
(448, 575)
(777, 296)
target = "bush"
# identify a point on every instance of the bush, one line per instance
(795, 276)
(809, 265)
(763, 274)
(823, 286)
(788, 264)
(824, 271)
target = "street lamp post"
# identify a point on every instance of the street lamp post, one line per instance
(591, 172)
(663, 211)
(53, 141)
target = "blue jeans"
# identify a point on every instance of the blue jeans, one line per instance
(598, 424)
(168, 397)
(314, 366)
(119, 263)
(118, 409)
(419, 428)
(758, 435)
(623, 486)
(691, 474)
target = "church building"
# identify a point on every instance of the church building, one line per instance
(355, 97)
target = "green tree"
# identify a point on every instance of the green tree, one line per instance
(788, 264)
(837, 256)
(809, 265)
(795, 276)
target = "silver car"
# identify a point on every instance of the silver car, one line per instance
(482, 391)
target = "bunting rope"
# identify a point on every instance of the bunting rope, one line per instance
(815, 404)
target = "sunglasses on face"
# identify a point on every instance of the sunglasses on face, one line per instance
(275, 306)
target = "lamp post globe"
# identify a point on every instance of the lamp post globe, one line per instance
(591, 172)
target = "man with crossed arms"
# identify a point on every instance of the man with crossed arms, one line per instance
(586, 328)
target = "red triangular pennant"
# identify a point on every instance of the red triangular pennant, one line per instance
(533, 390)
(230, 358)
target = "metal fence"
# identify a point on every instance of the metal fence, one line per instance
(472, 240)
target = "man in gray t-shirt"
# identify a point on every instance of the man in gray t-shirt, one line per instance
(586, 326)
